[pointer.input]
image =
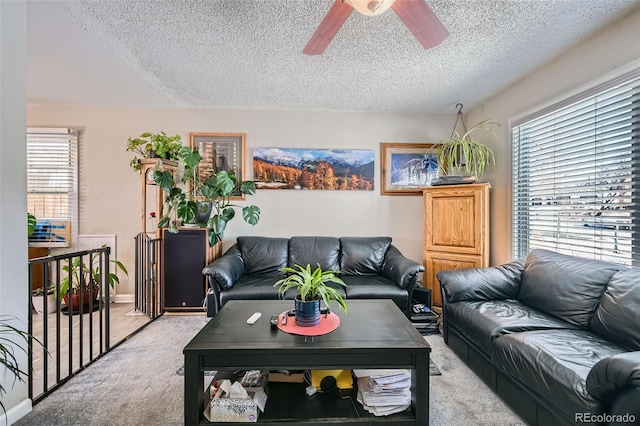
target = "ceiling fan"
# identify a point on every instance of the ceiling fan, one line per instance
(416, 15)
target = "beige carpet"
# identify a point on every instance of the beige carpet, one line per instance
(138, 383)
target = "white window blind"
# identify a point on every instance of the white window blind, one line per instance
(576, 175)
(52, 174)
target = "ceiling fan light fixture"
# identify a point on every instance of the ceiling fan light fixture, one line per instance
(370, 7)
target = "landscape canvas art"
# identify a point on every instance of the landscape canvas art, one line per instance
(329, 169)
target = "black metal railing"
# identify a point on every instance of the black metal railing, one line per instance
(147, 286)
(79, 333)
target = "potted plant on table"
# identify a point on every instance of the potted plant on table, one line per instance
(154, 145)
(81, 282)
(312, 288)
(217, 190)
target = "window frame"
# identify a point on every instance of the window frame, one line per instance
(622, 75)
(73, 137)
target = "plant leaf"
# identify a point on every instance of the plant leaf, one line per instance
(251, 214)
(248, 187)
(164, 179)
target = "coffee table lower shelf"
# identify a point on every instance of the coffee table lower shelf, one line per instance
(288, 403)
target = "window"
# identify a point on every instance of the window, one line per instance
(52, 184)
(576, 175)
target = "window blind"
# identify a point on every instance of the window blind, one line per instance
(52, 178)
(576, 175)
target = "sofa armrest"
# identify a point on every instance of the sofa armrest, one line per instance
(400, 269)
(226, 270)
(625, 407)
(611, 375)
(492, 283)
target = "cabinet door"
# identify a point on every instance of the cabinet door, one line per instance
(456, 219)
(435, 262)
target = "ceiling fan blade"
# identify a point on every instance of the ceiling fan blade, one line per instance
(329, 27)
(421, 21)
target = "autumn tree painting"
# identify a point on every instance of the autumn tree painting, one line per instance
(328, 169)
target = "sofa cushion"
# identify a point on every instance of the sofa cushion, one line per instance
(565, 286)
(375, 287)
(251, 287)
(496, 282)
(554, 364)
(363, 255)
(483, 321)
(264, 255)
(324, 251)
(619, 308)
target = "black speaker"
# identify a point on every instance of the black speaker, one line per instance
(422, 295)
(184, 256)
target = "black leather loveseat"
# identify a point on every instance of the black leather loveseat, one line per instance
(371, 267)
(556, 336)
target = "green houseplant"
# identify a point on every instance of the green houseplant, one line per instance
(218, 189)
(41, 297)
(154, 145)
(9, 338)
(32, 222)
(83, 279)
(312, 288)
(463, 155)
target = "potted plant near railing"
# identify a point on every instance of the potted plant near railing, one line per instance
(154, 145)
(312, 288)
(82, 282)
(182, 207)
(39, 297)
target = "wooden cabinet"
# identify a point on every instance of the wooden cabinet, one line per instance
(37, 271)
(456, 231)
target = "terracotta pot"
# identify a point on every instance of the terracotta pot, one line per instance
(72, 300)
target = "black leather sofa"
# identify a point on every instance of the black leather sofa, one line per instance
(556, 336)
(371, 267)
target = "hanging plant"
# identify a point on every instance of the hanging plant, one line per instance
(463, 155)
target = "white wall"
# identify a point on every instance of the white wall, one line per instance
(606, 51)
(110, 196)
(14, 297)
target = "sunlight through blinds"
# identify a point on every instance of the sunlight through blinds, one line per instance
(576, 175)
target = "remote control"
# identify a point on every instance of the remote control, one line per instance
(253, 318)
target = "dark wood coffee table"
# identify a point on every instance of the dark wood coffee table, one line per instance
(373, 334)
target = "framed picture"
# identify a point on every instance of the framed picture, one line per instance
(220, 151)
(307, 168)
(406, 168)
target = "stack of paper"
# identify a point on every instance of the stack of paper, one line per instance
(384, 392)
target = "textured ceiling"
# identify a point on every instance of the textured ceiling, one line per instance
(248, 53)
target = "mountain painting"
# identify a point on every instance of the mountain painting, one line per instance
(293, 168)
